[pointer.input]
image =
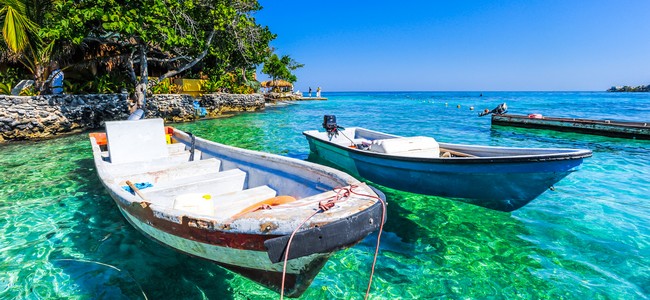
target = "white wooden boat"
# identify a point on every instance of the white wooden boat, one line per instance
(500, 178)
(222, 203)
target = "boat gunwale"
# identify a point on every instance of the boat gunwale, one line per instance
(573, 154)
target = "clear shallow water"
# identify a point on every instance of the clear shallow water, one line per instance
(61, 235)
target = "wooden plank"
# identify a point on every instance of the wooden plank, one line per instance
(637, 130)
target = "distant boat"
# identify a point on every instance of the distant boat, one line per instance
(500, 178)
(235, 207)
(634, 130)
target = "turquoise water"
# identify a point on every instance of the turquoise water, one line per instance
(61, 235)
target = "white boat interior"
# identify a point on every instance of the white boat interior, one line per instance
(422, 146)
(214, 184)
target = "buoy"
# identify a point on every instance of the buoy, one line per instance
(207, 197)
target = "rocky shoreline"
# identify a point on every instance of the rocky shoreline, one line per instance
(625, 88)
(46, 116)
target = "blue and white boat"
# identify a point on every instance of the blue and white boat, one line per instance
(500, 178)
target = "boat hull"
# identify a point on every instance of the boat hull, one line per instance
(633, 130)
(246, 254)
(499, 184)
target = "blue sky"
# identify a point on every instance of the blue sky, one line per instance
(456, 45)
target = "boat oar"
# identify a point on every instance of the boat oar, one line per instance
(144, 202)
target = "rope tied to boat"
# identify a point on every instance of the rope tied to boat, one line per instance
(192, 145)
(342, 194)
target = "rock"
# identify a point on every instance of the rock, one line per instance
(23, 117)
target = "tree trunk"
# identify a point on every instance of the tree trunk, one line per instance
(141, 85)
(40, 79)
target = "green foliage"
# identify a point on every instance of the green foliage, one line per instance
(24, 23)
(11, 76)
(211, 86)
(280, 68)
(30, 91)
(173, 36)
(77, 88)
(230, 83)
(5, 89)
(107, 83)
(165, 87)
(17, 26)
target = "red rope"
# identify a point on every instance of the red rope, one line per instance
(381, 228)
(324, 206)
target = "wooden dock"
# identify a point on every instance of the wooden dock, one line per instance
(633, 130)
(291, 98)
(311, 98)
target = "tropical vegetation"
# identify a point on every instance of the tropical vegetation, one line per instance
(137, 45)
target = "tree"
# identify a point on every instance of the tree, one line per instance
(280, 68)
(171, 35)
(16, 25)
(21, 31)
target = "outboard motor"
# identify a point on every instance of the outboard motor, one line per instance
(499, 110)
(329, 123)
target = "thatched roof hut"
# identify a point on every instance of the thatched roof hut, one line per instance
(277, 83)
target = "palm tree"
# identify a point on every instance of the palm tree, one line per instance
(17, 27)
(21, 20)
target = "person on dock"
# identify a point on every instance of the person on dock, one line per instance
(318, 92)
(55, 80)
(309, 91)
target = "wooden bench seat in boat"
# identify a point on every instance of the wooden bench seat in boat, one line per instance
(176, 148)
(214, 184)
(222, 207)
(165, 173)
(150, 165)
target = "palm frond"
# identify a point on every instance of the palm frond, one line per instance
(16, 26)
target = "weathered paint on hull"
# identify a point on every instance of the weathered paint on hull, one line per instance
(254, 265)
(503, 186)
(634, 130)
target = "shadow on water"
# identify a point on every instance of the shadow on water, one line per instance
(463, 249)
(119, 262)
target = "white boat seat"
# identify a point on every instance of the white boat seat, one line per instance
(223, 206)
(176, 148)
(228, 205)
(416, 146)
(151, 165)
(131, 141)
(167, 173)
(213, 183)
